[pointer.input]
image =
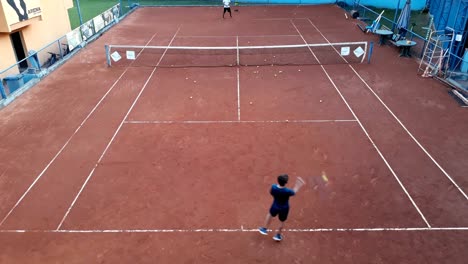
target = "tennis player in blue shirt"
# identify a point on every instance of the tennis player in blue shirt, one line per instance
(280, 206)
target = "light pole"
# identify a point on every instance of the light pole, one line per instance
(79, 11)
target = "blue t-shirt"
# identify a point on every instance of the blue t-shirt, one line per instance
(281, 196)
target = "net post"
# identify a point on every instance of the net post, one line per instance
(371, 47)
(108, 55)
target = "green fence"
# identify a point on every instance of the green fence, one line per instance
(88, 10)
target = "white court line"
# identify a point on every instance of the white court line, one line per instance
(4, 171)
(281, 18)
(367, 134)
(62, 148)
(65, 145)
(401, 123)
(246, 36)
(242, 229)
(67, 142)
(238, 96)
(237, 50)
(237, 121)
(113, 137)
(238, 80)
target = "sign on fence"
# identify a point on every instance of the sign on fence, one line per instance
(74, 38)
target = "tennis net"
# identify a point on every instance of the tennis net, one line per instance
(185, 56)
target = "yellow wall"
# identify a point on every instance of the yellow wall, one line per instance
(68, 3)
(54, 24)
(7, 56)
(3, 23)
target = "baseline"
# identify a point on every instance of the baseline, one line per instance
(239, 121)
(233, 230)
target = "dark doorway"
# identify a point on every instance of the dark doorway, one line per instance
(17, 42)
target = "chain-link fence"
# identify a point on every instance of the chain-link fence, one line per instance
(33, 66)
(85, 10)
(21, 75)
(417, 32)
(454, 69)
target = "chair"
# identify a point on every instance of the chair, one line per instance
(372, 27)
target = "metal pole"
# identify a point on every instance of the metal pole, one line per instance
(79, 11)
(107, 48)
(371, 48)
(60, 48)
(395, 17)
(2, 90)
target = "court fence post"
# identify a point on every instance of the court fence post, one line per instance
(79, 11)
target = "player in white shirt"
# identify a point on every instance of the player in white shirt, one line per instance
(227, 7)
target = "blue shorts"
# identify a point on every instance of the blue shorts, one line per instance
(281, 212)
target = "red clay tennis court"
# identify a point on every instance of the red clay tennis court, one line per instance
(159, 161)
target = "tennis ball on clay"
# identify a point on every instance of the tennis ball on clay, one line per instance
(191, 97)
(194, 81)
(186, 78)
(299, 70)
(275, 75)
(324, 177)
(287, 121)
(250, 103)
(321, 101)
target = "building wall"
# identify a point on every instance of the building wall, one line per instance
(54, 24)
(68, 3)
(7, 56)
